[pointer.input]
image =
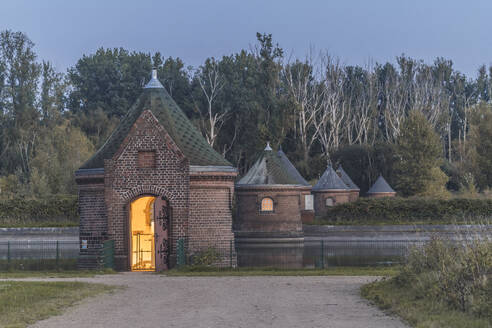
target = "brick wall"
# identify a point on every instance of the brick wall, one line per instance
(354, 195)
(307, 216)
(125, 181)
(338, 196)
(210, 221)
(381, 194)
(148, 162)
(93, 222)
(285, 219)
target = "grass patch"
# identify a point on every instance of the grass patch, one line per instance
(24, 303)
(54, 274)
(200, 271)
(442, 284)
(39, 223)
(418, 310)
(38, 265)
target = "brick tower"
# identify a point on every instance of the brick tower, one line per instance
(157, 155)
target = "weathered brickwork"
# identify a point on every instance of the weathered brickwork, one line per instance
(307, 216)
(126, 181)
(210, 222)
(148, 162)
(320, 198)
(354, 195)
(93, 226)
(146, 159)
(381, 194)
(286, 215)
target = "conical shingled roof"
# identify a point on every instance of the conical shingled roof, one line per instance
(189, 140)
(270, 169)
(330, 181)
(346, 178)
(291, 168)
(380, 186)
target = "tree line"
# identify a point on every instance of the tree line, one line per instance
(316, 108)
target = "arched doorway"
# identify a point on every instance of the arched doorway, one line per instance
(142, 230)
(149, 230)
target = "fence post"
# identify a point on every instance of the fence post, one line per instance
(181, 253)
(57, 254)
(230, 253)
(8, 254)
(322, 254)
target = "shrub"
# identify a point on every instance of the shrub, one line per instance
(408, 210)
(458, 274)
(206, 257)
(51, 211)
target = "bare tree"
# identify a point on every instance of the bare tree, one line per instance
(361, 103)
(331, 116)
(305, 93)
(211, 84)
(396, 95)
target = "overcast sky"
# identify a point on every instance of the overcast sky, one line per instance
(354, 30)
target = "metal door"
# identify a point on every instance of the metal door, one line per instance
(162, 219)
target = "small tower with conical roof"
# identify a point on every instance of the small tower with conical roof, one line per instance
(307, 201)
(380, 189)
(354, 189)
(329, 191)
(271, 198)
(157, 158)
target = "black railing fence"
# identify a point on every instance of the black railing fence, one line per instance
(38, 254)
(60, 254)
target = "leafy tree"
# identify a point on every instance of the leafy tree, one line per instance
(53, 94)
(419, 156)
(364, 163)
(480, 156)
(175, 77)
(61, 150)
(110, 79)
(19, 73)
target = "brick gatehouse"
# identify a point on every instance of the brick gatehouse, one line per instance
(155, 181)
(272, 199)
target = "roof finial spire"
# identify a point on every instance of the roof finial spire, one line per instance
(154, 81)
(268, 146)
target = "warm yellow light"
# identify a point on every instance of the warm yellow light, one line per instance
(142, 234)
(267, 204)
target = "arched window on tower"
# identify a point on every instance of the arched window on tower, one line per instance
(330, 202)
(267, 204)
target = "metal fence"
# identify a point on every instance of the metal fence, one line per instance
(53, 254)
(38, 254)
(325, 253)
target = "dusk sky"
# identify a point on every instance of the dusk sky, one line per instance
(354, 30)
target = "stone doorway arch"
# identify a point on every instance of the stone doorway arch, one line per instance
(152, 253)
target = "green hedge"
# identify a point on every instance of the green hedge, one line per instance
(409, 210)
(60, 210)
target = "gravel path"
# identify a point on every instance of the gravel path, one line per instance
(154, 301)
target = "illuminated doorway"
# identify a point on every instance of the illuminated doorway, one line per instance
(142, 253)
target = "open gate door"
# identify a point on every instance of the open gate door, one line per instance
(162, 214)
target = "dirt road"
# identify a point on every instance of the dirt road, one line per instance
(151, 300)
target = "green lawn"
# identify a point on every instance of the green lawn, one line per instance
(418, 310)
(332, 271)
(23, 303)
(53, 274)
(45, 223)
